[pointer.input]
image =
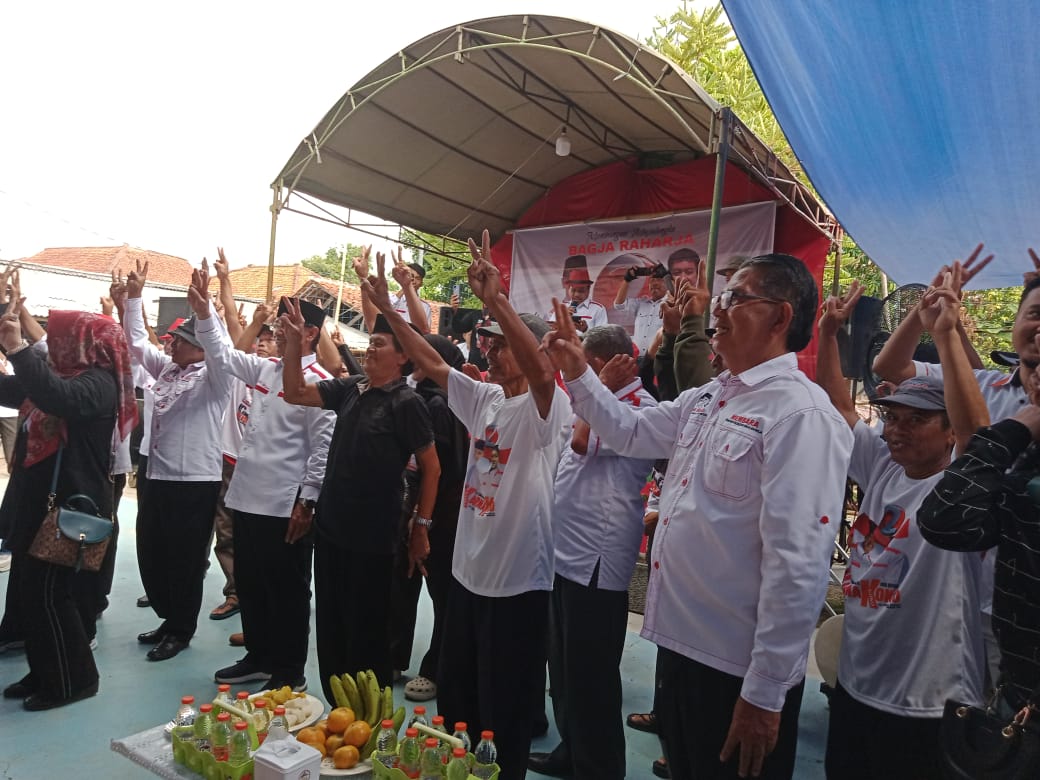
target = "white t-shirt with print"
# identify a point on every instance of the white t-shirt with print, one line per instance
(913, 635)
(504, 542)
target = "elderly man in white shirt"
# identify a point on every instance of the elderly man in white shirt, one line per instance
(184, 466)
(597, 528)
(748, 515)
(273, 491)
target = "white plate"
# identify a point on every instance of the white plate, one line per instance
(360, 769)
(316, 706)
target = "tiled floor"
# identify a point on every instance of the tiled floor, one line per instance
(135, 694)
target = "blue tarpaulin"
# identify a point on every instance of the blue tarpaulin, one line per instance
(917, 122)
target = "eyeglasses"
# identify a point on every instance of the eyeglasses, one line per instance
(728, 298)
(906, 418)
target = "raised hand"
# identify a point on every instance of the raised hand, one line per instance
(263, 313)
(107, 305)
(484, 278)
(242, 314)
(472, 371)
(698, 295)
(940, 308)
(337, 336)
(619, 372)
(11, 325)
(1029, 276)
(135, 280)
(117, 290)
(402, 274)
(375, 287)
(454, 302)
(292, 322)
(969, 269)
(361, 263)
(562, 344)
(220, 266)
(8, 281)
(672, 308)
(836, 310)
(198, 292)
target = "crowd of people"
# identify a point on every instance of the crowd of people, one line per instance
(516, 493)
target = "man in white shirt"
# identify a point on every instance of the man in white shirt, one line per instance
(577, 283)
(755, 486)
(598, 526)
(503, 560)
(275, 485)
(647, 309)
(912, 633)
(184, 466)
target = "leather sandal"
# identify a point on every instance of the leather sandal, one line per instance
(643, 721)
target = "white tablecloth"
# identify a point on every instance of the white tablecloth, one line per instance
(151, 749)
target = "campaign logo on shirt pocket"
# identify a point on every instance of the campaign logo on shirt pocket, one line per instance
(691, 429)
(727, 466)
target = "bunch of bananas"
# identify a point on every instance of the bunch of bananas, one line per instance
(362, 695)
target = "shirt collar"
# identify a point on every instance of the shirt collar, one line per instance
(781, 364)
(630, 388)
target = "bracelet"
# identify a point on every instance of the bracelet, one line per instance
(19, 348)
(425, 522)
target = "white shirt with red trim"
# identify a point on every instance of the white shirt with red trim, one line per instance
(598, 513)
(400, 304)
(285, 446)
(1002, 391)
(749, 511)
(593, 314)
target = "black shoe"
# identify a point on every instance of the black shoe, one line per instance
(548, 764)
(299, 684)
(660, 768)
(167, 648)
(143, 602)
(20, 689)
(10, 643)
(153, 637)
(643, 721)
(37, 701)
(243, 671)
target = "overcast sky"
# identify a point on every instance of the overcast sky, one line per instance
(163, 125)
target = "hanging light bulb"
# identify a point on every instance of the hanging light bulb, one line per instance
(563, 144)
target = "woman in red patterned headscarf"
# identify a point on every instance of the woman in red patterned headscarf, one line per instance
(73, 399)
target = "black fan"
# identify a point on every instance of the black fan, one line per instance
(894, 309)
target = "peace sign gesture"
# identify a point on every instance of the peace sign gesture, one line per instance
(10, 324)
(562, 344)
(484, 279)
(135, 279)
(361, 264)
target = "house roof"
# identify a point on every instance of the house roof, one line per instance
(162, 269)
(352, 298)
(251, 281)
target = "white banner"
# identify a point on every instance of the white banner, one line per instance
(545, 258)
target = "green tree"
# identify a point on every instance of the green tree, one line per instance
(445, 261)
(328, 264)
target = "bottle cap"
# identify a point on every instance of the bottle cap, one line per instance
(241, 725)
(420, 710)
(460, 726)
(431, 742)
(223, 687)
(260, 703)
(242, 695)
(280, 710)
(206, 708)
(459, 752)
(387, 724)
(412, 732)
(224, 716)
(488, 735)
(187, 699)
(438, 720)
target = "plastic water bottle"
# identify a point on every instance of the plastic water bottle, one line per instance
(203, 728)
(485, 756)
(386, 745)
(410, 753)
(442, 747)
(243, 703)
(224, 696)
(185, 717)
(431, 766)
(220, 737)
(458, 767)
(418, 716)
(462, 733)
(261, 718)
(278, 728)
(240, 744)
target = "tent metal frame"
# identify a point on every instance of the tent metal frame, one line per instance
(598, 50)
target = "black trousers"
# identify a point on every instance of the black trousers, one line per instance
(694, 705)
(274, 592)
(864, 743)
(404, 590)
(587, 629)
(351, 611)
(438, 585)
(92, 587)
(491, 675)
(56, 643)
(174, 524)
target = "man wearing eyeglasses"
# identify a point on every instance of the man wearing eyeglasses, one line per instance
(748, 515)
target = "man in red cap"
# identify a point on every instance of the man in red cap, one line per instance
(578, 285)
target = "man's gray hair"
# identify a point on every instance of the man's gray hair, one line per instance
(606, 341)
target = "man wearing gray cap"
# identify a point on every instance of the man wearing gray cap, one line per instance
(912, 633)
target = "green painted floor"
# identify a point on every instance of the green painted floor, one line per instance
(73, 742)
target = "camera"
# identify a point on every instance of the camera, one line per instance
(657, 271)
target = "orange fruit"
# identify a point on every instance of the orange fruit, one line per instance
(323, 725)
(339, 719)
(357, 733)
(312, 735)
(346, 757)
(334, 743)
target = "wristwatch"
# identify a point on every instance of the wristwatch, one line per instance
(307, 503)
(425, 522)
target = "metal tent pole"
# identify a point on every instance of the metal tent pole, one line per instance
(726, 116)
(275, 208)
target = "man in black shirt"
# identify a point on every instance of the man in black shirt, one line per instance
(380, 424)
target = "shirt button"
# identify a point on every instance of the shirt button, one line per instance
(665, 521)
(685, 482)
(721, 404)
(657, 564)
